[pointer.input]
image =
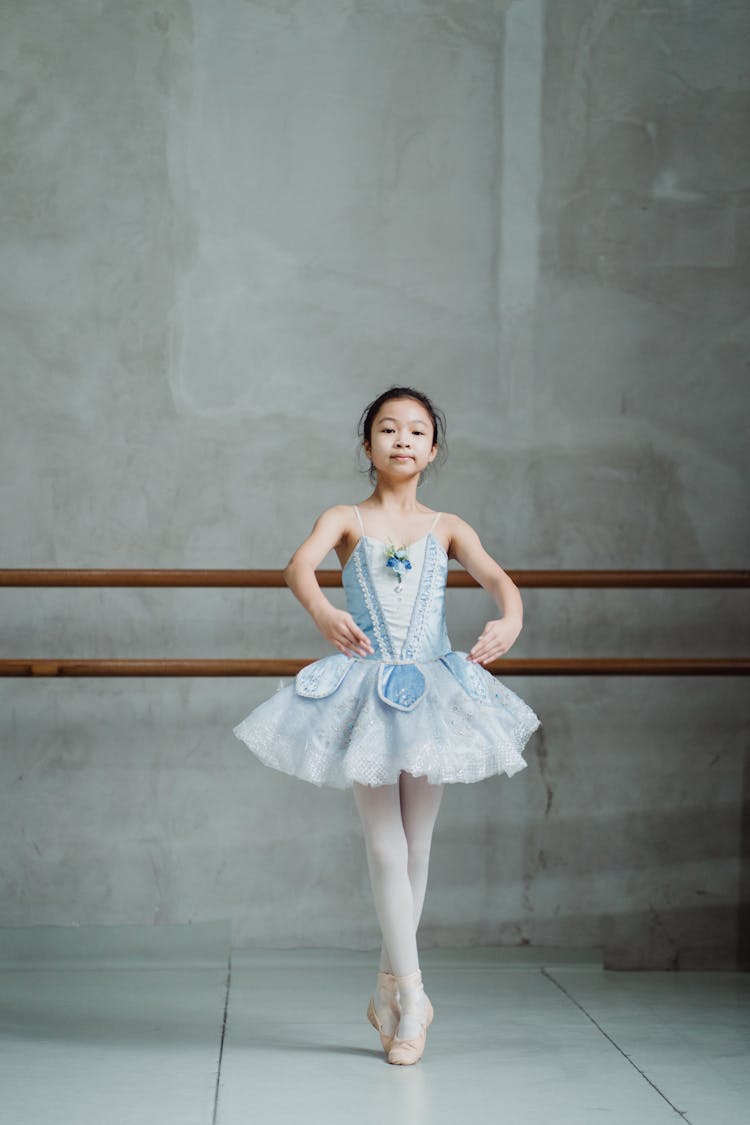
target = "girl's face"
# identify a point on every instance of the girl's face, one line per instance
(401, 441)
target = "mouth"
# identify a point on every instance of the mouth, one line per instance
(402, 457)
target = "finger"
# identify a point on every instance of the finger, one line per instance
(362, 638)
(355, 637)
(485, 654)
(352, 635)
(352, 647)
(491, 637)
(351, 625)
(360, 641)
(484, 640)
(343, 643)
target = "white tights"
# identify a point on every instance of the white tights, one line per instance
(398, 821)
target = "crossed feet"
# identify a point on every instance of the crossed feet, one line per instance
(401, 1012)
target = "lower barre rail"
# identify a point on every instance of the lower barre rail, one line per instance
(265, 579)
(535, 666)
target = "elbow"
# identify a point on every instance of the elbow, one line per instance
(288, 572)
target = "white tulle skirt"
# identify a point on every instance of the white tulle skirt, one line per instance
(353, 735)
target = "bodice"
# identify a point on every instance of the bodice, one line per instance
(404, 634)
(402, 627)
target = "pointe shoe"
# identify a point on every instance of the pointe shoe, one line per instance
(406, 1052)
(387, 982)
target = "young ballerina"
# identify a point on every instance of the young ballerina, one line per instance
(396, 713)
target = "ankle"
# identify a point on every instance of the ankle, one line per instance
(411, 991)
(386, 992)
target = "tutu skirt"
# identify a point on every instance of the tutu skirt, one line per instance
(453, 733)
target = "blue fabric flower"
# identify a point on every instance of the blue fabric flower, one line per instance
(398, 559)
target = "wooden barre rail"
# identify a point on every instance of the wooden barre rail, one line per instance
(564, 666)
(549, 579)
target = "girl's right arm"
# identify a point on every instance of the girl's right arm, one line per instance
(336, 625)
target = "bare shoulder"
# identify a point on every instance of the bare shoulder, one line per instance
(339, 518)
(455, 530)
(332, 530)
(337, 513)
(455, 524)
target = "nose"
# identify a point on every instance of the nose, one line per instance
(403, 441)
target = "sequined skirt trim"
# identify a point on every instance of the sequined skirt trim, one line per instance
(353, 735)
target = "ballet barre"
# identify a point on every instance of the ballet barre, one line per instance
(252, 579)
(565, 666)
(256, 579)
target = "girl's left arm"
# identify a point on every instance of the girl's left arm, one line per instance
(500, 634)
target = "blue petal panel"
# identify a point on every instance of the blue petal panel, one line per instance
(401, 686)
(323, 677)
(475, 680)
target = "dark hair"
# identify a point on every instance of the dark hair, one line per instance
(370, 412)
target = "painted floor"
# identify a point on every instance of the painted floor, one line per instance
(165, 1026)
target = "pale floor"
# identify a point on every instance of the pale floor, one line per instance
(162, 1026)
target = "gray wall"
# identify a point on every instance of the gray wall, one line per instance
(226, 227)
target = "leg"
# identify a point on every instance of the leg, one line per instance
(398, 821)
(420, 803)
(388, 861)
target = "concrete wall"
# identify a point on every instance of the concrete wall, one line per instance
(226, 227)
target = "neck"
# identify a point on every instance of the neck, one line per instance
(398, 496)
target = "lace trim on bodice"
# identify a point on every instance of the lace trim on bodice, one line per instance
(428, 580)
(366, 585)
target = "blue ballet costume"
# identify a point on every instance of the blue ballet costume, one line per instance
(413, 705)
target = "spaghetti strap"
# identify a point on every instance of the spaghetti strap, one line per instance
(359, 518)
(437, 517)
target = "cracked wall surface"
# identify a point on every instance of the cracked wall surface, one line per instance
(226, 228)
